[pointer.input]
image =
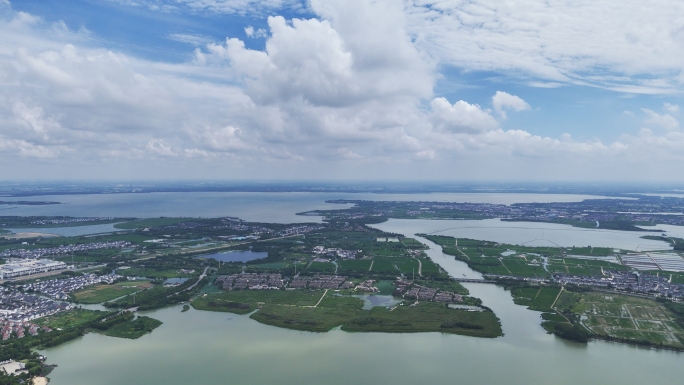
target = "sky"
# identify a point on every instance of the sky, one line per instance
(558, 90)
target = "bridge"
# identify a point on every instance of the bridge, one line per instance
(474, 280)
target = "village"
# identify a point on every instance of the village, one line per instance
(634, 282)
(405, 289)
(60, 288)
(20, 307)
(62, 250)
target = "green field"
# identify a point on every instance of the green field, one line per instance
(152, 273)
(351, 267)
(523, 261)
(245, 301)
(102, 293)
(536, 298)
(321, 267)
(134, 329)
(72, 318)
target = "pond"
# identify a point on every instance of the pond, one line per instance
(236, 256)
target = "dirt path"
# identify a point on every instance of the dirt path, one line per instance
(506, 267)
(420, 266)
(464, 254)
(539, 291)
(630, 317)
(319, 301)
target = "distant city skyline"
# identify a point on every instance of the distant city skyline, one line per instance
(341, 90)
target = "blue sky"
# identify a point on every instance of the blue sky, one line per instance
(337, 89)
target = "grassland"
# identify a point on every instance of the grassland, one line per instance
(134, 329)
(297, 309)
(69, 319)
(103, 293)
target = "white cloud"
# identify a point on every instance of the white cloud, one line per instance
(215, 6)
(160, 147)
(503, 101)
(191, 39)
(460, 117)
(665, 120)
(255, 33)
(352, 87)
(671, 108)
(547, 44)
(564, 41)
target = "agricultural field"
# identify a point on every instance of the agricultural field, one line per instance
(103, 293)
(522, 261)
(626, 318)
(587, 267)
(536, 298)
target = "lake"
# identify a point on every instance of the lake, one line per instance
(204, 347)
(236, 256)
(257, 207)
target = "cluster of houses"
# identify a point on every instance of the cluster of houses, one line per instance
(659, 285)
(410, 290)
(250, 281)
(62, 250)
(21, 307)
(19, 329)
(367, 286)
(62, 221)
(320, 281)
(299, 229)
(334, 252)
(60, 288)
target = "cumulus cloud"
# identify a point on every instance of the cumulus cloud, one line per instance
(671, 108)
(351, 86)
(661, 120)
(255, 33)
(547, 44)
(460, 117)
(503, 101)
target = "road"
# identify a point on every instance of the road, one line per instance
(204, 274)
